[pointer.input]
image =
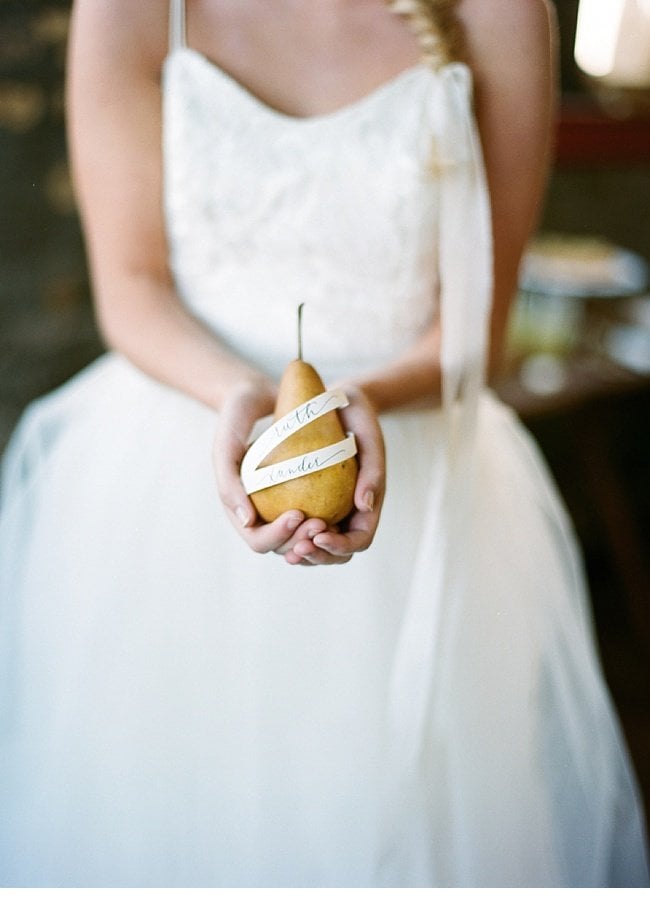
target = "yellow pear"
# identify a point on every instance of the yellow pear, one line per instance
(326, 494)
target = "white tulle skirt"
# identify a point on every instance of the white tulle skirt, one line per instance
(178, 711)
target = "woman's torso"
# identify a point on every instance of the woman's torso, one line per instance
(339, 210)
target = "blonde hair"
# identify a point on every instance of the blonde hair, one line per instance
(436, 27)
(440, 36)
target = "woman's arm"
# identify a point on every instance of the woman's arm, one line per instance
(411, 380)
(511, 48)
(116, 52)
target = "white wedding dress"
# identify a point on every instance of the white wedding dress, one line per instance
(178, 711)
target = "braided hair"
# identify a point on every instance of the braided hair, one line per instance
(440, 37)
(436, 27)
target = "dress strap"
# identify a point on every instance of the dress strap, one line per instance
(177, 33)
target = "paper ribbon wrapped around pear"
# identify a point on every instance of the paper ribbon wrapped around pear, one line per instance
(304, 460)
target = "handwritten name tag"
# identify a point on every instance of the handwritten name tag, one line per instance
(255, 479)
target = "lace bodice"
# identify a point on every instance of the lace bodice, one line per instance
(339, 211)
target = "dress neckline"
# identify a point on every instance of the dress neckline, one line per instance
(364, 101)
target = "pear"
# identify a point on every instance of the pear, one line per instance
(328, 493)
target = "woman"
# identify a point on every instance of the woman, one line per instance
(181, 711)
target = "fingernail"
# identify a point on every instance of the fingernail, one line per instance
(242, 515)
(323, 544)
(369, 500)
(294, 521)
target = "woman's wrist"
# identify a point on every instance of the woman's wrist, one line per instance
(246, 387)
(361, 391)
(407, 390)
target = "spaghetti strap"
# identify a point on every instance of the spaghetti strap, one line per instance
(177, 33)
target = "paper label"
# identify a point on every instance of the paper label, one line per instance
(255, 479)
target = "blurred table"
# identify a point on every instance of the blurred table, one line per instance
(587, 378)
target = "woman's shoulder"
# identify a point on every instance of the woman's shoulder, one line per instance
(509, 42)
(122, 31)
(507, 30)
(505, 16)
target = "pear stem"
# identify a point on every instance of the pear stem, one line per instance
(300, 306)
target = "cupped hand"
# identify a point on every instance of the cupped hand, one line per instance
(299, 540)
(338, 545)
(246, 403)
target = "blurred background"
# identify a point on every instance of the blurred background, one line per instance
(578, 368)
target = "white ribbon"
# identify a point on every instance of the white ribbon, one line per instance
(417, 690)
(255, 478)
(421, 691)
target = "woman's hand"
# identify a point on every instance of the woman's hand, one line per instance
(299, 540)
(338, 545)
(244, 405)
